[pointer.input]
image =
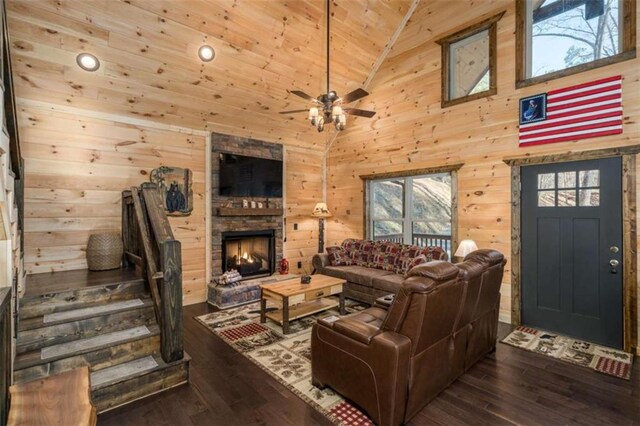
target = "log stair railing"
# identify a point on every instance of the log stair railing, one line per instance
(149, 244)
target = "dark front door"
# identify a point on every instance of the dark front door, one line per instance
(572, 249)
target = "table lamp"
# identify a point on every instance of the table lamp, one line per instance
(464, 248)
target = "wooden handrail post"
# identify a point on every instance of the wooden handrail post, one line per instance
(126, 229)
(160, 257)
(171, 335)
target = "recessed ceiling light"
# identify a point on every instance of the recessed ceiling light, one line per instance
(88, 62)
(206, 53)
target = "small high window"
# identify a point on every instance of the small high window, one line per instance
(469, 63)
(555, 38)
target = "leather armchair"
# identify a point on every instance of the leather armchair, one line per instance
(391, 363)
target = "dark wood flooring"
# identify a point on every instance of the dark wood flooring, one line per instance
(511, 386)
(52, 282)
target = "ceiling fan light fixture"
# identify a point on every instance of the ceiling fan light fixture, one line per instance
(332, 111)
(206, 53)
(336, 112)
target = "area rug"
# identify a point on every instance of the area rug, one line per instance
(599, 358)
(287, 358)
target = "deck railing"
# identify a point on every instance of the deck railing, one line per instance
(149, 244)
(5, 352)
(422, 240)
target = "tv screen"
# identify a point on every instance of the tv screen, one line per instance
(242, 176)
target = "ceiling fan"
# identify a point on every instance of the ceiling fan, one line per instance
(328, 107)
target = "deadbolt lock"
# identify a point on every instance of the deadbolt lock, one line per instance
(614, 266)
(614, 249)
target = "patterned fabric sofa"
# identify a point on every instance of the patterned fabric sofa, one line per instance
(373, 268)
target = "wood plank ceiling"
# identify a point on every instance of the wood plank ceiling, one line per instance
(150, 68)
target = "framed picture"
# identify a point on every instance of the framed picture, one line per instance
(175, 187)
(533, 108)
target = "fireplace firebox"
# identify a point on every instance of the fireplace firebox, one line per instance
(251, 253)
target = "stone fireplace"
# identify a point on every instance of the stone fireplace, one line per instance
(251, 253)
(236, 230)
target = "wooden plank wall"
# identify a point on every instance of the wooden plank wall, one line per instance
(87, 136)
(412, 131)
(303, 180)
(76, 168)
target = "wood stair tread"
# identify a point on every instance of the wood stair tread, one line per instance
(35, 335)
(94, 310)
(81, 346)
(40, 305)
(129, 370)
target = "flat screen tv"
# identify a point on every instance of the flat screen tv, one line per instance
(242, 176)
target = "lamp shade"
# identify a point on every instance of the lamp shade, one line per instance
(321, 210)
(466, 247)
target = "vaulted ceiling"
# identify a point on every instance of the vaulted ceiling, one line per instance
(150, 68)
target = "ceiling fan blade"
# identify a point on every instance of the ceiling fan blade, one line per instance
(294, 111)
(304, 95)
(354, 96)
(359, 112)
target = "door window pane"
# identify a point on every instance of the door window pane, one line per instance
(432, 234)
(569, 33)
(567, 198)
(412, 210)
(567, 180)
(589, 197)
(432, 197)
(388, 199)
(390, 230)
(546, 180)
(546, 198)
(589, 178)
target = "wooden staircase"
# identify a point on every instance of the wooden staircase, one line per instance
(111, 328)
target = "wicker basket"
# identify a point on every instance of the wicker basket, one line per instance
(104, 251)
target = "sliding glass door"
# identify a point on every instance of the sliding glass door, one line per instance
(411, 210)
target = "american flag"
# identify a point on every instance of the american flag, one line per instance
(578, 112)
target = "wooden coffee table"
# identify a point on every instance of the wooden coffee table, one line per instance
(296, 300)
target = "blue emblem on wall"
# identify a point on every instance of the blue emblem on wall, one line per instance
(533, 108)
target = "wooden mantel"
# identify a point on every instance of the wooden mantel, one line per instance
(240, 211)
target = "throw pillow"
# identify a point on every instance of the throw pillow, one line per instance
(363, 256)
(338, 256)
(435, 253)
(407, 254)
(352, 247)
(418, 260)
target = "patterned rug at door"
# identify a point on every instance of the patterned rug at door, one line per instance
(286, 358)
(600, 358)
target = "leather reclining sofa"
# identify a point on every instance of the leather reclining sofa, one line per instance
(392, 362)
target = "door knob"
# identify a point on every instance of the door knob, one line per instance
(614, 266)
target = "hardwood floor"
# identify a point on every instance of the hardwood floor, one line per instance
(511, 386)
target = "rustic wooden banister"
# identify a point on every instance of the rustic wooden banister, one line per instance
(150, 245)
